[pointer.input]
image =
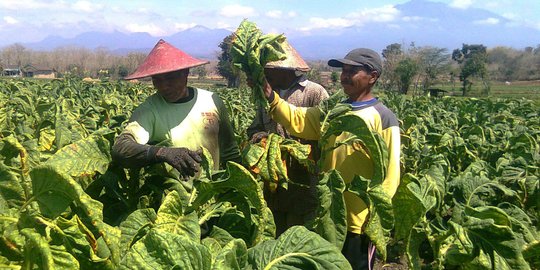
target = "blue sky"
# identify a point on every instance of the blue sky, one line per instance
(33, 20)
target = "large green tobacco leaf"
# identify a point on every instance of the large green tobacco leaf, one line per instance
(522, 225)
(14, 154)
(268, 157)
(297, 248)
(532, 254)
(489, 229)
(233, 256)
(10, 187)
(163, 250)
(11, 240)
(478, 190)
(381, 216)
(412, 248)
(359, 130)
(80, 242)
(241, 181)
(39, 252)
(172, 219)
(413, 199)
(83, 158)
(222, 236)
(53, 190)
(331, 222)
(136, 225)
(61, 128)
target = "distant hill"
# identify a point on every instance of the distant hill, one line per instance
(198, 41)
(423, 22)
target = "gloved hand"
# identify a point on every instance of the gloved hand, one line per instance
(257, 137)
(182, 159)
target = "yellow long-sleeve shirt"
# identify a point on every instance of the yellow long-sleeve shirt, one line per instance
(348, 159)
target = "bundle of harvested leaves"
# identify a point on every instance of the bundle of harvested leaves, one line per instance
(251, 50)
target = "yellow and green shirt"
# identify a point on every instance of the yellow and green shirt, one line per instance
(348, 159)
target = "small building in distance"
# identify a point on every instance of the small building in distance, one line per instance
(38, 72)
(11, 71)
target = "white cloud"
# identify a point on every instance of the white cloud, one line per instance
(462, 4)
(275, 14)
(237, 11)
(10, 20)
(224, 25)
(29, 4)
(385, 13)
(183, 26)
(316, 22)
(151, 28)
(418, 19)
(292, 14)
(86, 6)
(488, 21)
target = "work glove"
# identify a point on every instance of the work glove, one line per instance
(182, 159)
(257, 137)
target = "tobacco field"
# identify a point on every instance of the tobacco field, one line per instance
(469, 196)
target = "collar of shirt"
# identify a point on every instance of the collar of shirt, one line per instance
(361, 104)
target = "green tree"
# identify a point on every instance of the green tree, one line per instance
(200, 71)
(433, 62)
(122, 71)
(405, 70)
(225, 67)
(392, 54)
(334, 77)
(472, 60)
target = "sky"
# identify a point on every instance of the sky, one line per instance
(33, 20)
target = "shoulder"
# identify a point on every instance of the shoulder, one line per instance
(151, 102)
(315, 88)
(388, 118)
(202, 93)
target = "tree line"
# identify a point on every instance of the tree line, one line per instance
(405, 67)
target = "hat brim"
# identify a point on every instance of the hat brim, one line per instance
(144, 74)
(342, 61)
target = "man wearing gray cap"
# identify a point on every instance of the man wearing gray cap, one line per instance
(361, 69)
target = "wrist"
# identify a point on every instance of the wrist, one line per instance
(271, 97)
(156, 153)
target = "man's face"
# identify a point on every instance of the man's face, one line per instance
(279, 78)
(357, 80)
(172, 85)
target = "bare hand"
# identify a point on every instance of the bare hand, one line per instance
(267, 89)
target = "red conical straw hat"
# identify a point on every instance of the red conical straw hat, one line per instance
(293, 60)
(164, 58)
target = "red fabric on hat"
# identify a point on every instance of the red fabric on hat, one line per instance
(164, 58)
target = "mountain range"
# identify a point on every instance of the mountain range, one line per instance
(423, 23)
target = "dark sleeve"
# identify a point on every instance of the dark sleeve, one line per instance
(228, 147)
(130, 154)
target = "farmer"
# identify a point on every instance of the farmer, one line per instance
(186, 118)
(360, 70)
(289, 78)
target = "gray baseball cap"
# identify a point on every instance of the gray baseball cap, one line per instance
(359, 57)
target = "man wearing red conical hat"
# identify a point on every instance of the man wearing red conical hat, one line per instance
(288, 76)
(181, 117)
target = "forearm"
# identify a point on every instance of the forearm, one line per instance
(130, 154)
(300, 122)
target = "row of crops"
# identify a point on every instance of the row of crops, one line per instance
(469, 198)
